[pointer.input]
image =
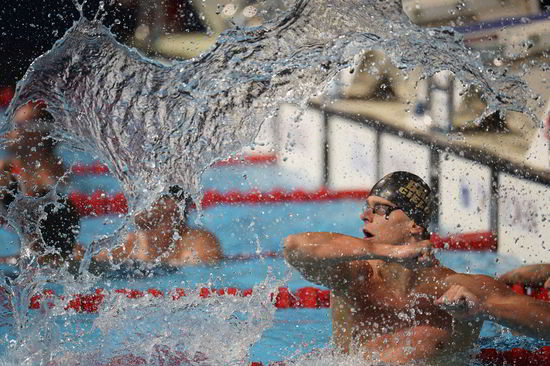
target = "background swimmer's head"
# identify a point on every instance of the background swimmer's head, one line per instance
(410, 193)
(181, 197)
(167, 209)
(32, 125)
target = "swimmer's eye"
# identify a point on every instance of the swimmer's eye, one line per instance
(380, 209)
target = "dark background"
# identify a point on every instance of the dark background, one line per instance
(28, 28)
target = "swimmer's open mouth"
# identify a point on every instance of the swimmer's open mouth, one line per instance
(367, 234)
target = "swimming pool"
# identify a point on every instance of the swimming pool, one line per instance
(220, 329)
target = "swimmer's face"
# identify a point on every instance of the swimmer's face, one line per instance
(385, 223)
(164, 210)
(24, 132)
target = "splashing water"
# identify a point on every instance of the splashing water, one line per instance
(157, 125)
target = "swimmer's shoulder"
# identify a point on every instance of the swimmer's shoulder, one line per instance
(434, 275)
(199, 235)
(204, 243)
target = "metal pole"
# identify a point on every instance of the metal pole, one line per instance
(325, 157)
(435, 170)
(493, 202)
(377, 153)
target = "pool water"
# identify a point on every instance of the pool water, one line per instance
(227, 329)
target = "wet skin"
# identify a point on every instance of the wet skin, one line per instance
(385, 309)
(165, 236)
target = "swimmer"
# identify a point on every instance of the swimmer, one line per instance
(32, 152)
(34, 170)
(166, 237)
(386, 284)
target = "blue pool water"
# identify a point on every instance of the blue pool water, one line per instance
(126, 326)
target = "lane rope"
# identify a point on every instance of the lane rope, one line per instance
(100, 203)
(486, 356)
(284, 298)
(97, 168)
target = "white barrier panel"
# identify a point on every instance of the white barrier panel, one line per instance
(464, 195)
(524, 220)
(352, 155)
(265, 142)
(401, 154)
(300, 139)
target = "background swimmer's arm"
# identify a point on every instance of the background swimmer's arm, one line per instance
(327, 258)
(197, 245)
(119, 253)
(531, 275)
(483, 297)
(209, 250)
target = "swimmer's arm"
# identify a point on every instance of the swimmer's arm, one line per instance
(119, 253)
(520, 312)
(324, 258)
(210, 250)
(337, 248)
(329, 258)
(198, 244)
(489, 299)
(531, 275)
(78, 252)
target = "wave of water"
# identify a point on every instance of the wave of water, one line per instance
(156, 125)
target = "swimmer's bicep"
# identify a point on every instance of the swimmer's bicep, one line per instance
(343, 276)
(119, 252)
(482, 286)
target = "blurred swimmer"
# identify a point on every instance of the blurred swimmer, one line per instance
(165, 236)
(33, 169)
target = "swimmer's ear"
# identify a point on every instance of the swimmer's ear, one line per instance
(416, 229)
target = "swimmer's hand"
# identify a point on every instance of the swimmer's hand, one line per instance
(412, 253)
(459, 303)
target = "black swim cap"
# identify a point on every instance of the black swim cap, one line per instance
(409, 192)
(60, 226)
(177, 193)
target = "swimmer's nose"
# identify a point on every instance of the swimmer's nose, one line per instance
(366, 215)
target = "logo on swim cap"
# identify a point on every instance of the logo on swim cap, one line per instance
(409, 192)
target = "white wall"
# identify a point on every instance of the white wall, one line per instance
(352, 153)
(299, 139)
(465, 192)
(524, 219)
(402, 154)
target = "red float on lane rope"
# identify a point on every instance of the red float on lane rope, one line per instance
(6, 94)
(305, 297)
(467, 241)
(97, 168)
(487, 357)
(515, 356)
(100, 203)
